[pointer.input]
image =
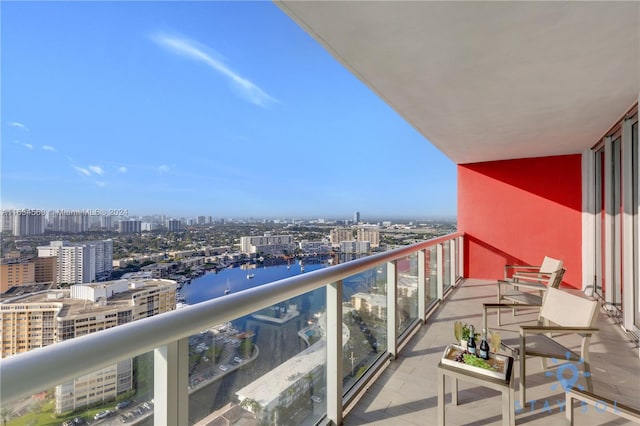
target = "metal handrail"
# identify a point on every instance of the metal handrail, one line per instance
(30, 372)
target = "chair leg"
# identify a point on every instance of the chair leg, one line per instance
(522, 356)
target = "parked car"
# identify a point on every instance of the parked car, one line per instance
(102, 415)
(123, 404)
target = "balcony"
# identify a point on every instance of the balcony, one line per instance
(373, 360)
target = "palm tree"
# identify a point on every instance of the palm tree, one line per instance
(4, 415)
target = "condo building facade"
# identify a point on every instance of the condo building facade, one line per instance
(80, 262)
(39, 320)
(268, 244)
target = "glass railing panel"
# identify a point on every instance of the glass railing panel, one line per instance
(431, 271)
(446, 264)
(407, 291)
(119, 393)
(267, 367)
(364, 315)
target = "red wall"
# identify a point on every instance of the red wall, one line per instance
(518, 211)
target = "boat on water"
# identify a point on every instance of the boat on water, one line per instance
(228, 289)
(249, 276)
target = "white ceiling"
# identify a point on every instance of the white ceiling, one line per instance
(489, 80)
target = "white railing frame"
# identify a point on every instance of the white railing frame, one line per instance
(167, 335)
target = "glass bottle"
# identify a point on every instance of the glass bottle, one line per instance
(471, 343)
(484, 346)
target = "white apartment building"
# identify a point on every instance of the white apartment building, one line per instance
(23, 222)
(268, 244)
(80, 262)
(314, 247)
(69, 221)
(43, 319)
(355, 247)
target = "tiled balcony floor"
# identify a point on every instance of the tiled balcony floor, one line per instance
(406, 392)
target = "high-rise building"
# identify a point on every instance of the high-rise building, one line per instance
(174, 225)
(130, 226)
(106, 222)
(79, 263)
(23, 222)
(370, 234)
(338, 235)
(46, 269)
(356, 217)
(40, 320)
(69, 221)
(7, 220)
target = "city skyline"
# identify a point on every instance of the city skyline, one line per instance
(216, 108)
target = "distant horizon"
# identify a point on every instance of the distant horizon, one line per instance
(330, 217)
(225, 107)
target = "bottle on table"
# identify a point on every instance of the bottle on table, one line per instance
(471, 342)
(484, 346)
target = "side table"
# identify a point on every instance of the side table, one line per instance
(504, 386)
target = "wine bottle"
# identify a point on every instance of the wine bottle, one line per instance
(484, 346)
(471, 343)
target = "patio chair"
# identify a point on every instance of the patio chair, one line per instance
(526, 292)
(528, 272)
(571, 314)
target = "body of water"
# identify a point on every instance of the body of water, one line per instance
(212, 285)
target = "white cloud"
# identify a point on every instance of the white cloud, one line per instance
(246, 88)
(49, 148)
(101, 184)
(82, 170)
(28, 145)
(163, 168)
(122, 169)
(96, 169)
(18, 125)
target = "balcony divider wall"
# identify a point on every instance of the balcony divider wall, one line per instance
(377, 312)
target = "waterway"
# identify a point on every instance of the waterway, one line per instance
(212, 285)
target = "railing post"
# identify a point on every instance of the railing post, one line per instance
(171, 383)
(392, 302)
(440, 271)
(453, 248)
(422, 284)
(461, 256)
(334, 352)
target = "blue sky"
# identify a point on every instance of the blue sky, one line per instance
(204, 108)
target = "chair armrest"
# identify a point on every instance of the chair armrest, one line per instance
(531, 286)
(537, 329)
(507, 268)
(529, 277)
(521, 266)
(508, 305)
(523, 274)
(487, 306)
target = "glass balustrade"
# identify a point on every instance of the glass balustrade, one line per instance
(266, 367)
(118, 393)
(269, 365)
(407, 291)
(364, 314)
(431, 276)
